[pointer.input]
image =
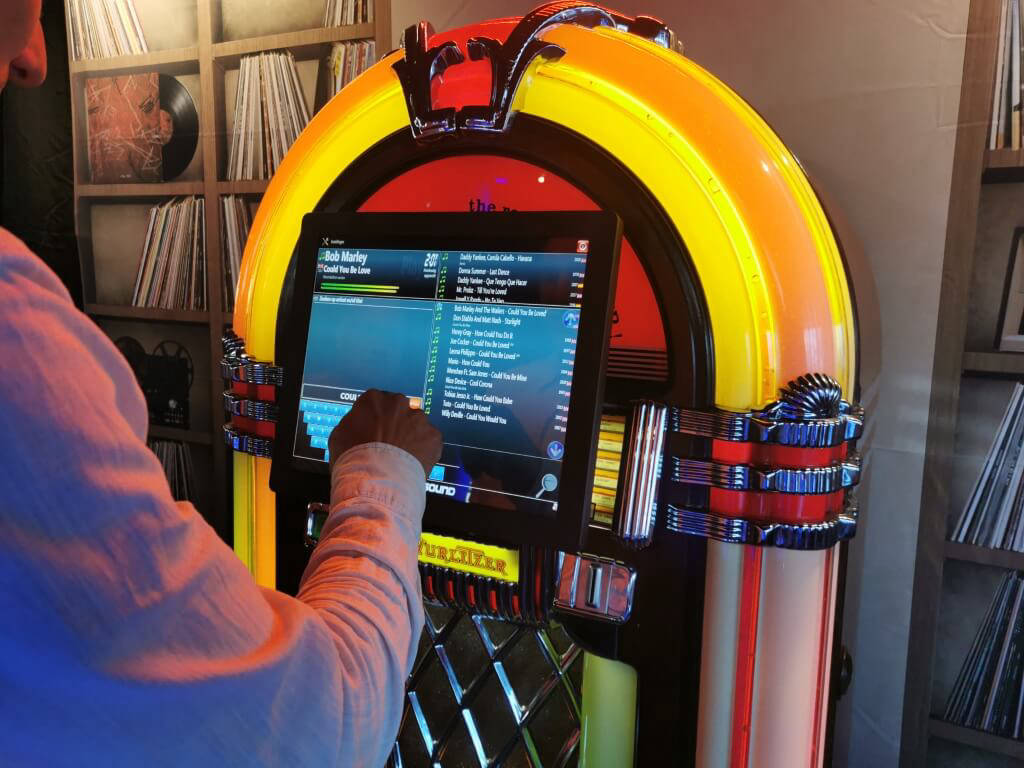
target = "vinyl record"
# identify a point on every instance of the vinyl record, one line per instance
(181, 147)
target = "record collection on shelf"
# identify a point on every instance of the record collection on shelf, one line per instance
(235, 223)
(988, 693)
(1005, 130)
(270, 113)
(135, 98)
(104, 28)
(992, 515)
(341, 12)
(347, 61)
(172, 269)
(176, 459)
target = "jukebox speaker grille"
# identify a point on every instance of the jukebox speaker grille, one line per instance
(486, 693)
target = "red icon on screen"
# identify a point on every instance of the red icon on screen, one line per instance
(582, 246)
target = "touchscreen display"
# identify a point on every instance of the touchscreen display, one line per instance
(484, 341)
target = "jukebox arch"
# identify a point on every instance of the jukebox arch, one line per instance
(735, 287)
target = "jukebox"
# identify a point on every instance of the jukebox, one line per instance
(650, 578)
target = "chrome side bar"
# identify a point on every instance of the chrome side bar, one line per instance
(741, 477)
(814, 536)
(642, 472)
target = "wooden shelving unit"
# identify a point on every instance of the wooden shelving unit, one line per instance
(171, 62)
(1003, 165)
(202, 56)
(148, 313)
(251, 187)
(994, 364)
(961, 361)
(141, 191)
(185, 435)
(999, 558)
(308, 44)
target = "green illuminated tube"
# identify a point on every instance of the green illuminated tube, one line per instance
(608, 717)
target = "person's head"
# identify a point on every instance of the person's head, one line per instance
(22, 50)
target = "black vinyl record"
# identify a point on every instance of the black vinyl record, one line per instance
(176, 101)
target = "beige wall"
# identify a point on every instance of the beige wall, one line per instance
(866, 93)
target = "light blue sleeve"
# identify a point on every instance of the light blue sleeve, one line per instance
(130, 634)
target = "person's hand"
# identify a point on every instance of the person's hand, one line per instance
(384, 417)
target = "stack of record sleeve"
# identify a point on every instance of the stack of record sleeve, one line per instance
(176, 459)
(172, 269)
(339, 13)
(988, 694)
(992, 516)
(235, 223)
(348, 60)
(103, 28)
(270, 113)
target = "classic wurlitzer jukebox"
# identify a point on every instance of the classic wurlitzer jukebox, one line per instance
(610, 285)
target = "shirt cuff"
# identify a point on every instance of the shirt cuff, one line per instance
(383, 473)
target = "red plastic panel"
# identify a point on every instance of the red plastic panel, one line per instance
(492, 184)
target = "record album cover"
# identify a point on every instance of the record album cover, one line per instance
(124, 128)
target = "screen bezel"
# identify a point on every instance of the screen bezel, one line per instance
(511, 231)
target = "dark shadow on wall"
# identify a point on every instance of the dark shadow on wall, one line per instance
(36, 175)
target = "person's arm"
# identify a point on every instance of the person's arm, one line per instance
(369, 509)
(130, 632)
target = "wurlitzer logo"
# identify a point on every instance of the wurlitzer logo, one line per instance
(463, 555)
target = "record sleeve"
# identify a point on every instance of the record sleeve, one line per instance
(141, 128)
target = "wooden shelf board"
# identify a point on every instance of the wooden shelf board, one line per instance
(1003, 165)
(994, 363)
(185, 435)
(168, 189)
(989, 742)
(305, 44)
(148, 313)
(174, 61)
(249, 187)
(1003, 158)
(1000, 558)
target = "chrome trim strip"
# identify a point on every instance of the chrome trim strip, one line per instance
(251, 371)
(742, 477)
(642, 471)
(233, 345)
(816, 536)
(262, 447)
(260, 410)
(756, 428)
(810, 413)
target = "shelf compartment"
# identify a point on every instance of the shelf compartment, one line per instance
(306, 44)
(184, 435)
(193, 317)
(174, 61)
(989, 742)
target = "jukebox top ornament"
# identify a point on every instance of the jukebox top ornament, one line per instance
(704, 592)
